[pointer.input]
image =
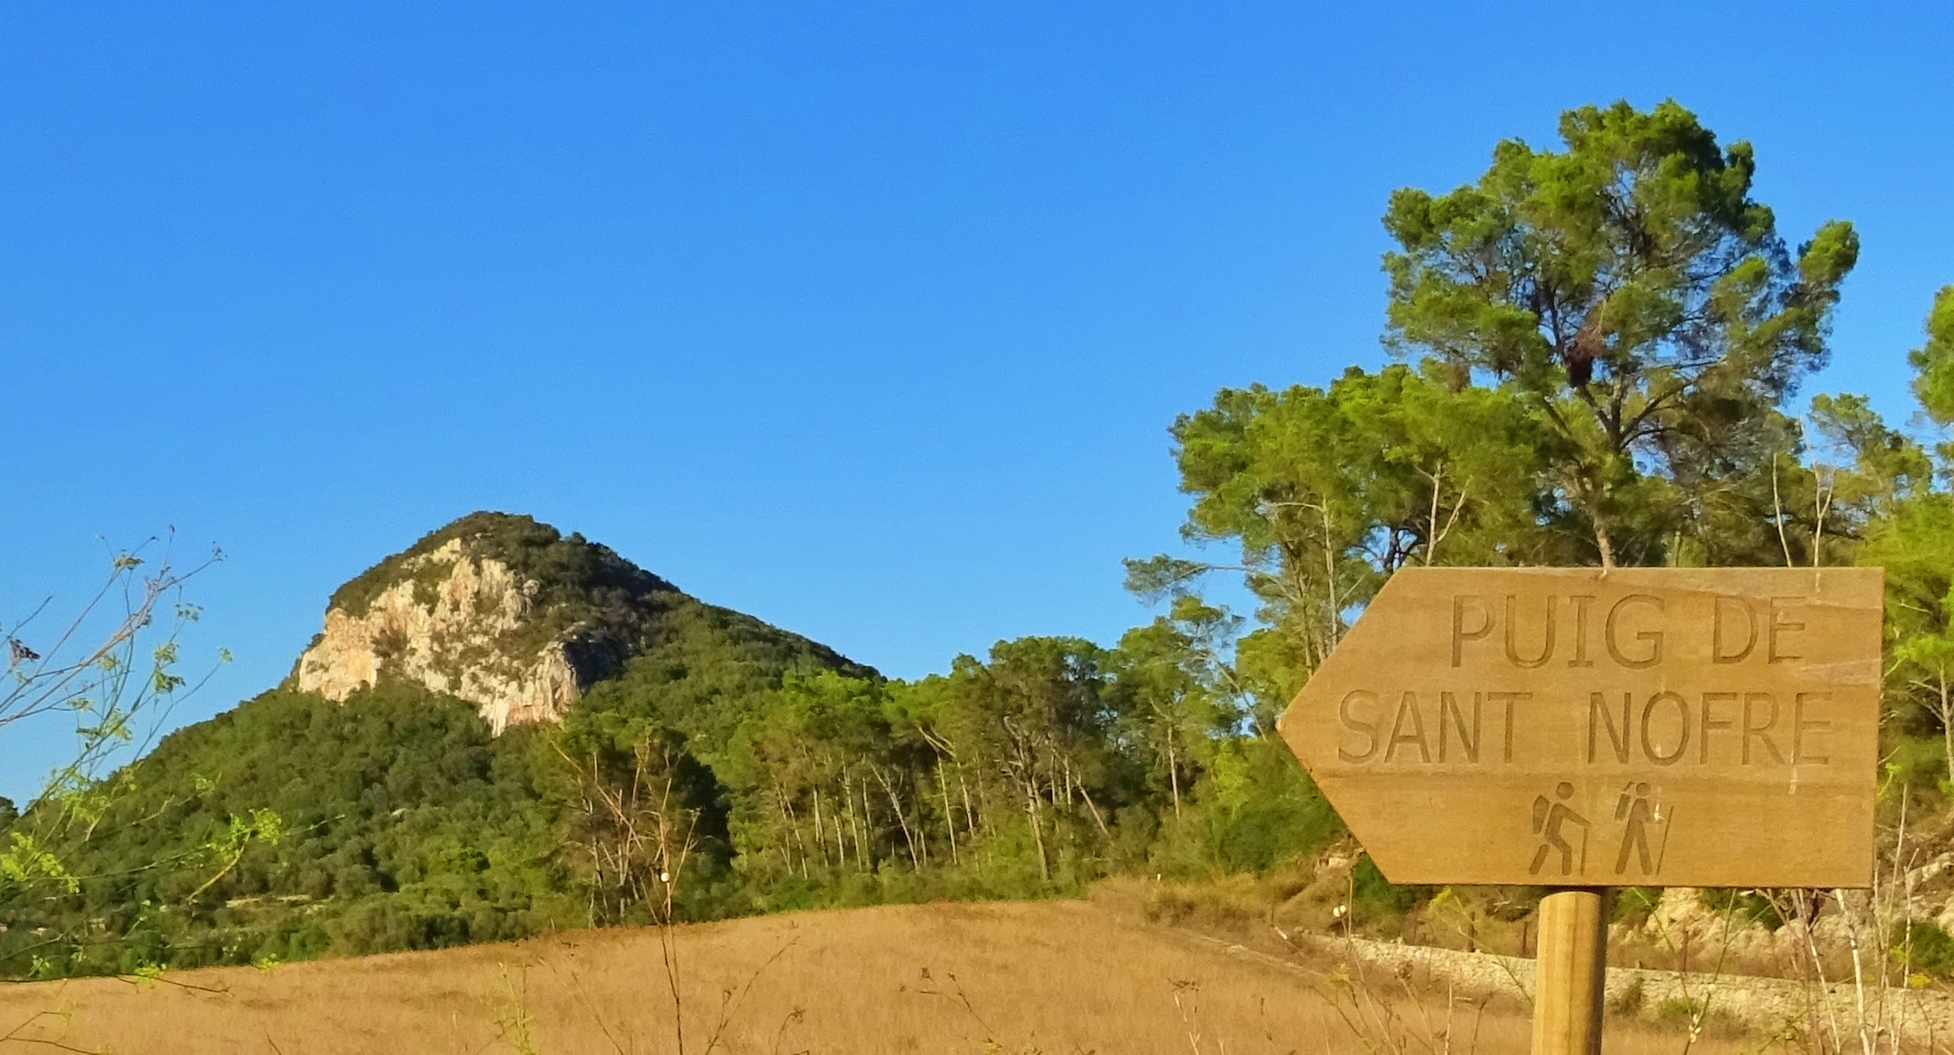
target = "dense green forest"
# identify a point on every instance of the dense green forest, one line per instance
(1598, 353)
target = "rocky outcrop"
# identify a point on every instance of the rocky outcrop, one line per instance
(462, 624)
(521, 620)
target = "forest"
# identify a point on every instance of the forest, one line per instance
(1597, 355)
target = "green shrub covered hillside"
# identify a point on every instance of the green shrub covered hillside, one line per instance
(503, 730)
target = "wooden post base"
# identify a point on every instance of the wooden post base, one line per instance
(1569, 970)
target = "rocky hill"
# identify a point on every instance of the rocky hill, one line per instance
(499, 611)
(410, 784)
(503, 731)
(493, 609)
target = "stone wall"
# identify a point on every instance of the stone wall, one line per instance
(1770, 1006)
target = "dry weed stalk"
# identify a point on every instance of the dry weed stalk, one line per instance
(1697, 1009)
(579, 991)
(1187, 1002)
(514, 1024)
(639, 844)
(112, 668)
(18, 1034)
(928, 987)
(791, 1019)
(1874, 1022)
(1373, 1011)
(729, 1001)
(1374, 1018)
(1190, 1011)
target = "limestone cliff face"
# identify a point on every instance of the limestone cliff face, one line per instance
(464, 624)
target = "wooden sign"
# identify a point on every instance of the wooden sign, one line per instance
(1639, 727)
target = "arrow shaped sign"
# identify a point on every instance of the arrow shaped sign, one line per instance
(1635, 727)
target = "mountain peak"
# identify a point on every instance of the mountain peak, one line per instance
(497, 609)
(524, 544)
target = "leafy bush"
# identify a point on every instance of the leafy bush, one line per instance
(1921, 945)
(1375, 899)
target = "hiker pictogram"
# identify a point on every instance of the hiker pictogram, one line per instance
(1636, 811)
(1549, 821)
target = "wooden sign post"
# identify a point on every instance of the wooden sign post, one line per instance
(1580, 729)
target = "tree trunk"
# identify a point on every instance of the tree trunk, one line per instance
(949, 816)
(820, 832)
(1605, 544)
(1096, 819)
(908, 838)
(1037, 835)
(855, 829)
(802, 842)
(786, 839)
(902, 822)
(969, 812)
(1947, 723)
(922, 829)
(1174, 773)
(841, 840)
(868, 823)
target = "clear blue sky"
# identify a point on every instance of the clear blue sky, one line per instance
(867, 319)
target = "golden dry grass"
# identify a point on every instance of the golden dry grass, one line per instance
(1055, 977)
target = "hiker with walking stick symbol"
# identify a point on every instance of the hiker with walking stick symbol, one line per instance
(1549, 817)
(1635, 813)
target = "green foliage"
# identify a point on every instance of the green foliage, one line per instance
(1934, 361)
(700, 672)
(567, 570)
(728, 767)
(1911, 535)
(1374, 899)
(1743, 907)
(1679, 1011)
(1921, 945)
(1634, 904)
(293, 826)
(1259, 809)
(742, 768)
(1637, 302)
(1327, 491)
(26, 863)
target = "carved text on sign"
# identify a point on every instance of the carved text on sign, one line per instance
(1707, 726)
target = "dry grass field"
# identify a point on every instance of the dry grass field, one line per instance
(1057, 978)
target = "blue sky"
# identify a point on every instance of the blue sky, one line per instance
(868, 319)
